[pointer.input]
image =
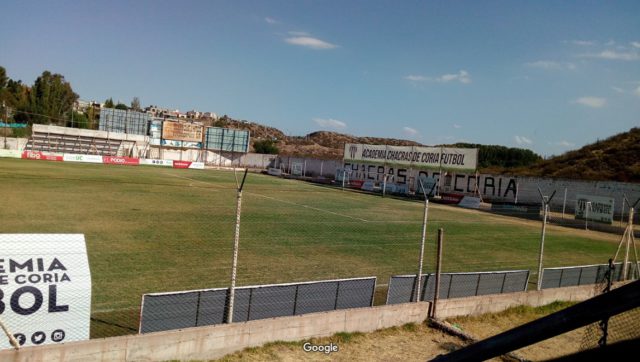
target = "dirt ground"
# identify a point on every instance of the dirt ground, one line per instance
(414, 342)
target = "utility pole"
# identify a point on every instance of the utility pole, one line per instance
(545, 204)
(236, 244)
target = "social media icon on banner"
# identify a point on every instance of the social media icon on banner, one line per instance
(21, 338)
(38, 337)
(57, 335)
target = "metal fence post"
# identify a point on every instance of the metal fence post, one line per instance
(12, 339)
(438, 270)
(544, 230)
(421, 258)
(564, 202)
(236, 242)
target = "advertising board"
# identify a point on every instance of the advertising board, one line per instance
(36, 155)
(181, 131)
(45, 288)
(166, 163)
(596, 208)
(413, 156)
(127, 161)
(70, 157)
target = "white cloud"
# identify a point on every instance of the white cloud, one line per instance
(617, 89)
(298, 33)
(522, 140)
(462, 76)
(310, 42)
(457, 126)
(417, 78)
(271, 20)
(635, 44)
(613, 55)
(408, 131)
(330, 123)
(593, 102)
(583, 42)
(551, 65)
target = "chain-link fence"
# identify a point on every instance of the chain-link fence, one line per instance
(157, 230)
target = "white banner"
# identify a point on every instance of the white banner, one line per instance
(596, 208)
(146, 161)
(11, 153)
(45, 288)
(70, 157)
(460, 159)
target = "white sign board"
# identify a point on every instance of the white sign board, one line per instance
(600, 208)
(70, 157)
(45, 288)
(459, 159)
(146, 161)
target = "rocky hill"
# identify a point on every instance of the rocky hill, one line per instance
(615, 158)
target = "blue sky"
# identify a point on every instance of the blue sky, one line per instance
(549, 76)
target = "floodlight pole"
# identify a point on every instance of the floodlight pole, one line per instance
(424, 235)
(236, 244)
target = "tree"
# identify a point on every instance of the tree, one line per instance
(135, 104)
(121, 106)
(80, 120)
(109, 103)
(50, 99)
(265, 147)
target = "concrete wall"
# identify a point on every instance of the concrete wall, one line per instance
(448, 308)
(12, 143)
(217, 341)
(311, 167)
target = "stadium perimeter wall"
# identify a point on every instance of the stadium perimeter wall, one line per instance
(217, 341)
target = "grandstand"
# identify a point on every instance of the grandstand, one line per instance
(83, 141)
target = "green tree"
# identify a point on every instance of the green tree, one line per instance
(79, 120)
(109, 103)
(265, 147)
(135, 104)
(121, 106)
(50, 99)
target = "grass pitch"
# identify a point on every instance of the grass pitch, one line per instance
(153, 229)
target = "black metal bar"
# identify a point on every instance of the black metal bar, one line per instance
(197, 309)
(243, 178)
(335, 304)
(249, 306)
(295, 300)
(590, 311)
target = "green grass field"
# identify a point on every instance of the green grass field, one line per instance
(152, 229)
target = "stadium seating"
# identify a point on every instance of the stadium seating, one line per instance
(61, 143)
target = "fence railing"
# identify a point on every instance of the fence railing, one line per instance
(167, 311)
(582, 275)
(457, 285)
